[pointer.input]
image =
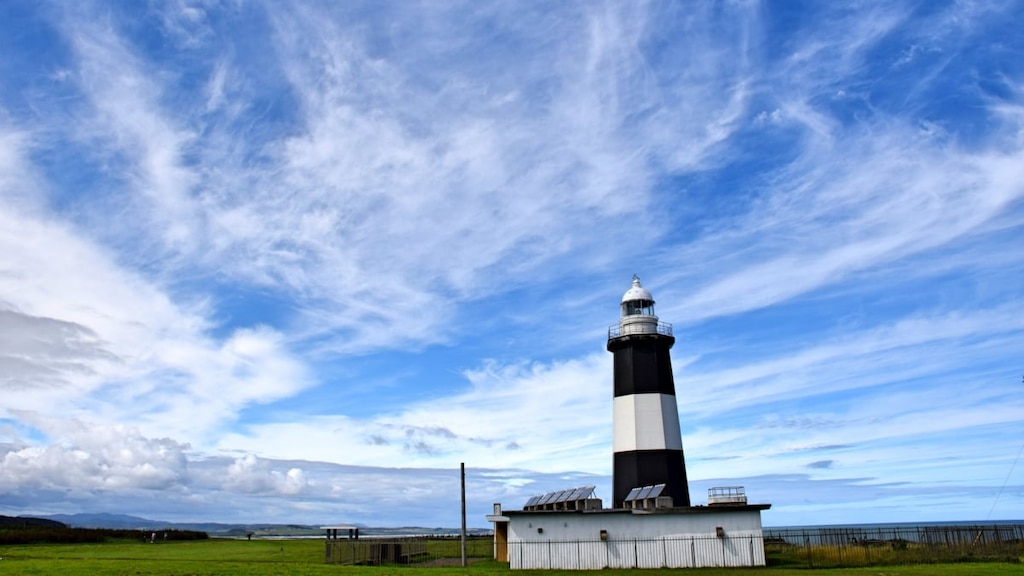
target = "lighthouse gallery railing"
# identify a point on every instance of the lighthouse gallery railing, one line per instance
(616, 331)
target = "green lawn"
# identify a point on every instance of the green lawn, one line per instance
(305, 557)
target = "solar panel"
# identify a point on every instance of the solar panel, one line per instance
(560, 496)
(582, 493)
(645, 492)
(656, 491)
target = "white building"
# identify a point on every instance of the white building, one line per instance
(588, 537)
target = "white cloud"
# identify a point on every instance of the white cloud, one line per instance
(83, 334)
(545, 417)
(128, 128)
(251, 475)
(93, 458)
(882, 198)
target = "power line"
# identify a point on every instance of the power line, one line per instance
(1007, 480)
(1001, 488)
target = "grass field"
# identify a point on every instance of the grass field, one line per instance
(305, 557)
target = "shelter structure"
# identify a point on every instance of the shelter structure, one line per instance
(651, 523)
(336, 531)
(343, 546)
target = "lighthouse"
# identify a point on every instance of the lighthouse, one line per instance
(571, 530)
(647, 444)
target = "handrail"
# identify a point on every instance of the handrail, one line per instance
(617, 331)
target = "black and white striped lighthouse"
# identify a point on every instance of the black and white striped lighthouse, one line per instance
(647, 444)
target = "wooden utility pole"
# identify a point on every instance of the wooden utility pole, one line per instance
(462, 468)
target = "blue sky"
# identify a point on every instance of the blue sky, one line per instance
(295, 261)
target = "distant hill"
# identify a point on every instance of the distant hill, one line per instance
(128, 522)
(103, 520)
(27, 522)
(123, 521)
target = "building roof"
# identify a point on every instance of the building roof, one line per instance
(639, 512)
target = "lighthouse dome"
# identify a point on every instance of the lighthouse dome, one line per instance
(637, 292)
(637, 300)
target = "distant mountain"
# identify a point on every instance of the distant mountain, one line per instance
(27, 522)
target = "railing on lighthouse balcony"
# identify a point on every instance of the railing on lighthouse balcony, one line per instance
(642, 325)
